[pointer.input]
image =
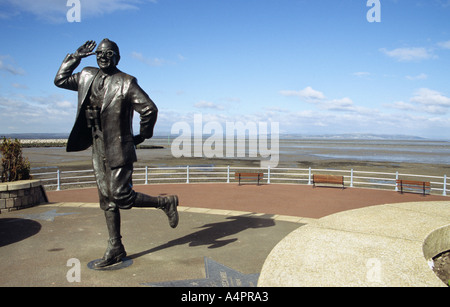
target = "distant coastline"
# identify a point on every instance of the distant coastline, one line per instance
(42, 143)
(44, 140)
(28, 143)
(35, 136)
(284, 136)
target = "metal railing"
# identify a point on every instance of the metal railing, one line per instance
(200, 174)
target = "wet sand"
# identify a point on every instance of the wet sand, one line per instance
(58, 157)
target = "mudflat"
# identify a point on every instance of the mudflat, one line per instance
(43, 157)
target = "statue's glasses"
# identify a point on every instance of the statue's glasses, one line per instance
(108, 53)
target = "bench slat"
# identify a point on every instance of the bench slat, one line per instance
(332, 179)
(249, 176)
(423, 186)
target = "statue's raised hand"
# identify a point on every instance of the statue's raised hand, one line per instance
(85, 50)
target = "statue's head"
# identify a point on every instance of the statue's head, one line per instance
(108, 55)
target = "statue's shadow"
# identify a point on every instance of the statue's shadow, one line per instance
(13, 230)
(212, 234)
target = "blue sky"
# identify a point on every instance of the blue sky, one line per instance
(314, 66)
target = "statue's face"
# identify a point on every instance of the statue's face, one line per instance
(107, 58)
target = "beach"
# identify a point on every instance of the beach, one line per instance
(422, 157)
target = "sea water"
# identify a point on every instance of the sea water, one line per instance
(411, 151)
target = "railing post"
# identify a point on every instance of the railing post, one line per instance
(444, 192)
(187, 174)
(146, 175)
(309, 176)
(58, 180)
(228, 174)
(268, 174)
(396, 179)
(351, 178)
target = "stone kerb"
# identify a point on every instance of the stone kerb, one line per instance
(437, 242)
(385, 245)
(21, 194)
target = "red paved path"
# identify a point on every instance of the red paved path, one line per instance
(283, 199)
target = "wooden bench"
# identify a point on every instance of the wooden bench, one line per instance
(413, 186)
(249, 176)
(328, 179)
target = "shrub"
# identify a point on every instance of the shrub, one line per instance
(14, 165)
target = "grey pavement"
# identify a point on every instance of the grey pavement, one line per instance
(52, 244)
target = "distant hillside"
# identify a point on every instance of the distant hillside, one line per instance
(353, 136)
(348, 136)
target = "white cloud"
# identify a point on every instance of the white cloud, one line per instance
(444, 45)
(425, 100)
(409, 54)
(405, 106)
(19, 86)
(325, 120)
(421, 76)
(56, 10)
(208, 105)
(149, 61)
(65, 104)
(425, 112)
(7, 64)
(361, 74)
(427, 97)
(344, 104)
(34, 113)
(307, 93)
(311, 95)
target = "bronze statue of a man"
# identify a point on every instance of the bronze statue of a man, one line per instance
(107, 99)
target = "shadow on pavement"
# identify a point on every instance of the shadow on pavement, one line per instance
(13, 230)
(211, 234)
